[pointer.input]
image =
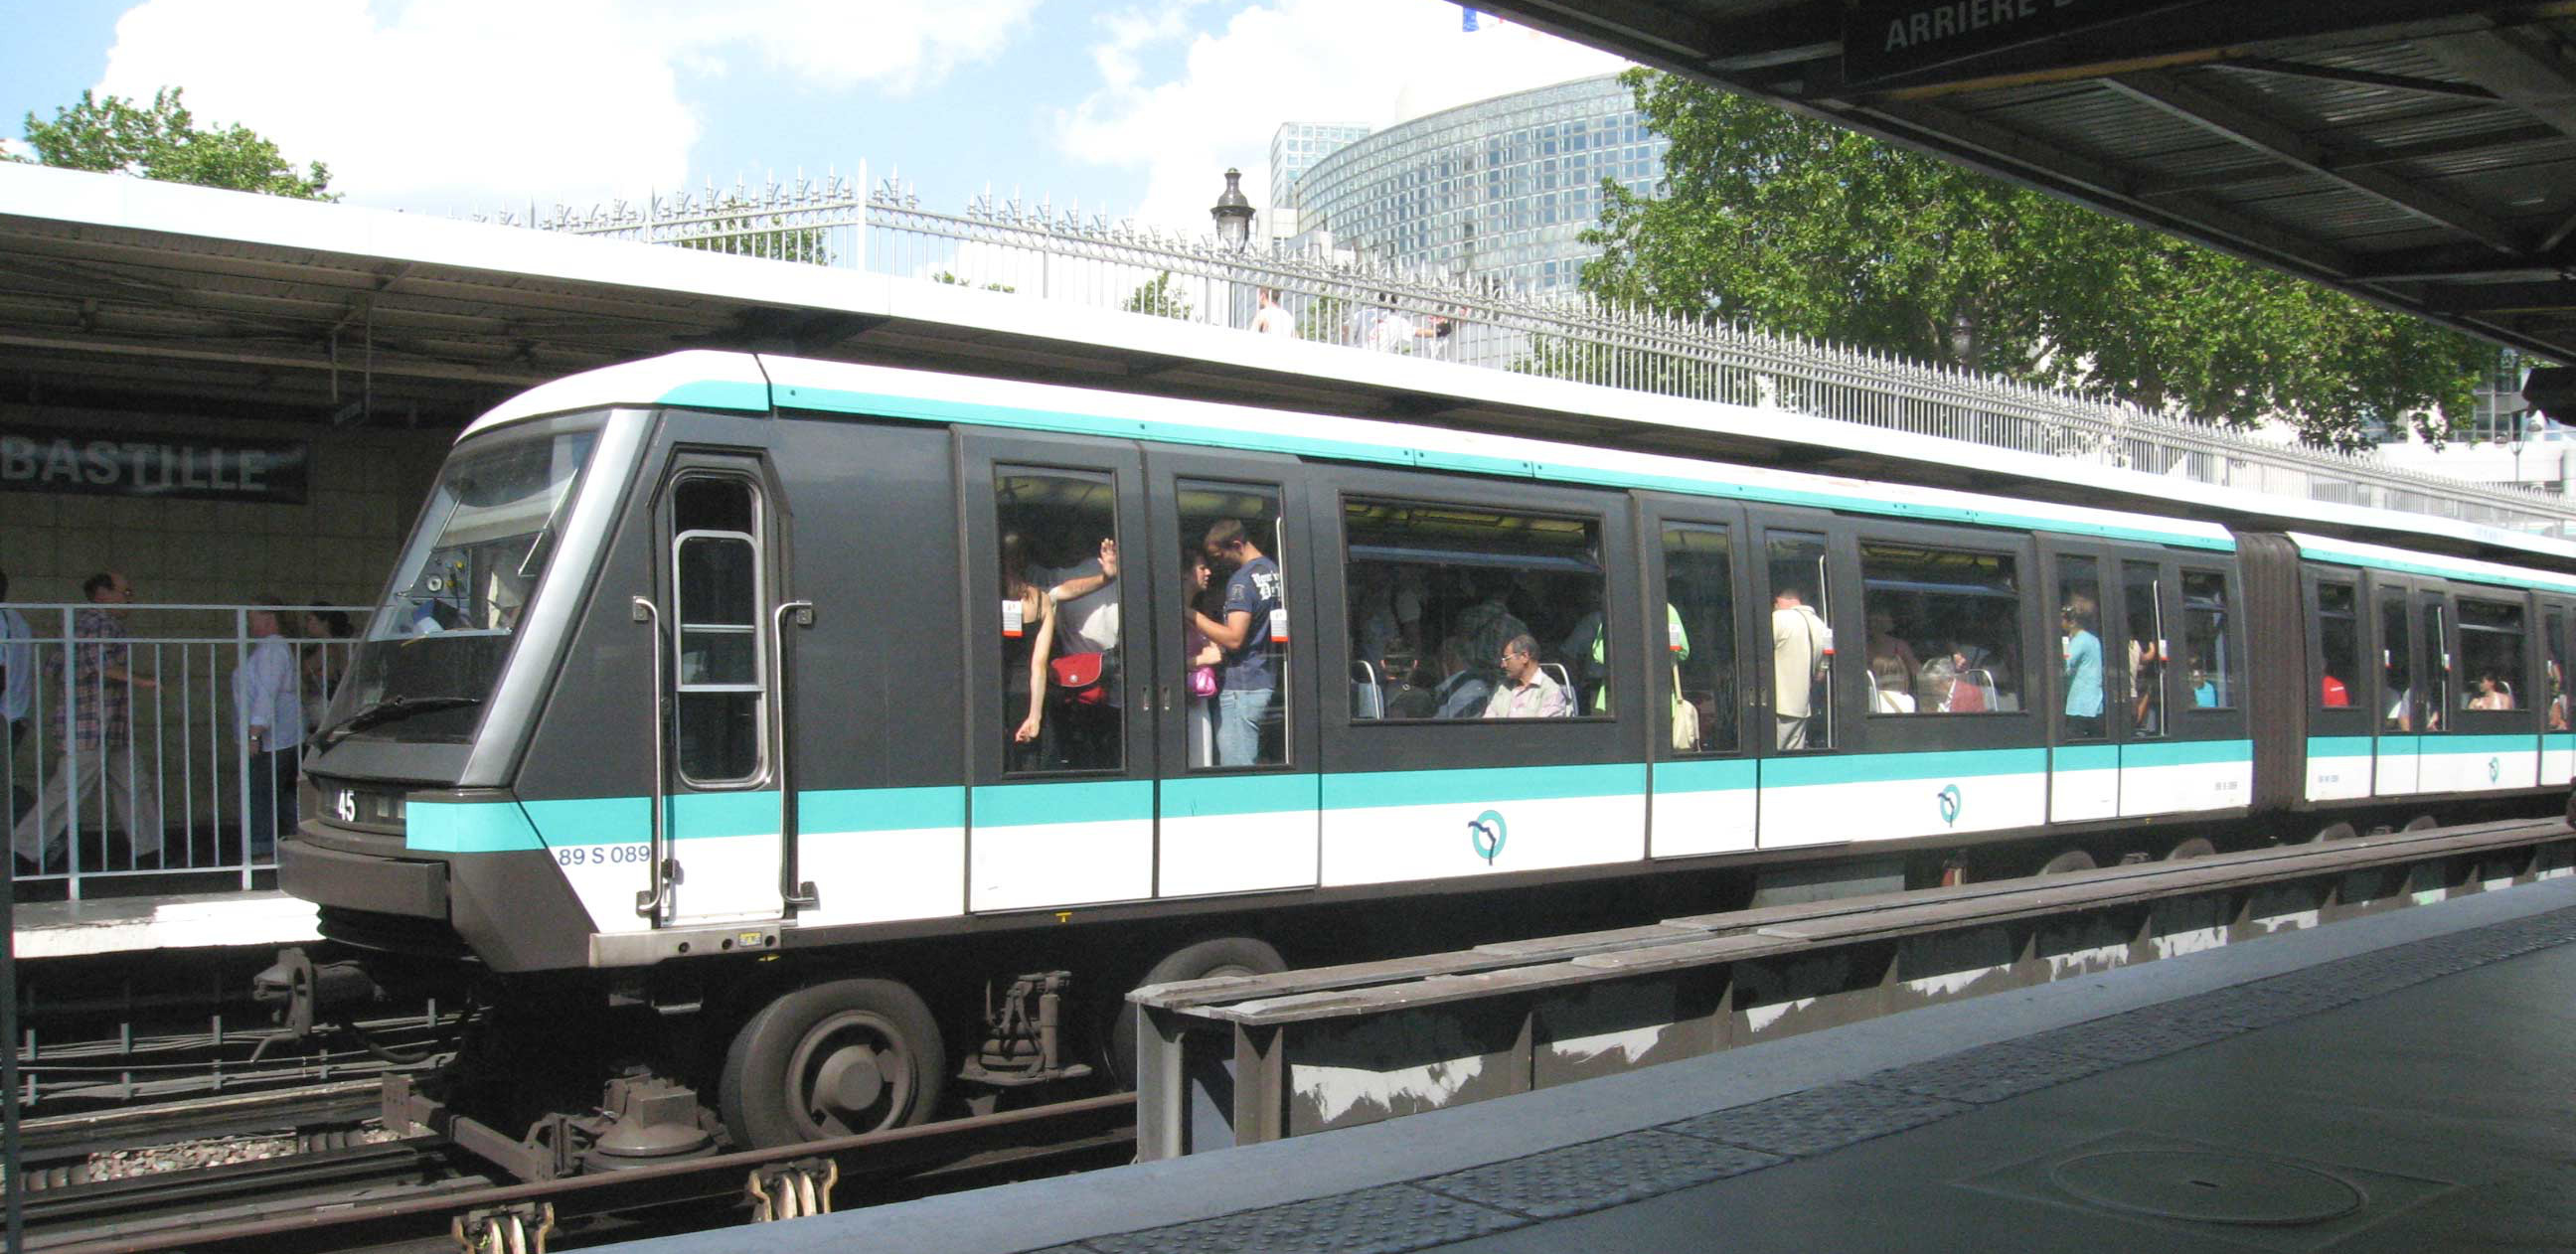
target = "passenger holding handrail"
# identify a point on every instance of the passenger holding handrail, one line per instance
(1249, 681)
(1028, 640)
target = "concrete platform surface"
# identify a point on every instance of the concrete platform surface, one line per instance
(102, 925)
(2400, 1082)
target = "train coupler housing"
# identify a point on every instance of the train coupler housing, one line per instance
(1024, 1035)
(305, 992)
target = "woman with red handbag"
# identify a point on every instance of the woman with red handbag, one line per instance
(1028, 641)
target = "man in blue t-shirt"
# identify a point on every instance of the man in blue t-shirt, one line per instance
(1245, 629)
(2083, 671)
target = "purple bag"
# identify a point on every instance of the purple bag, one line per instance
(1202, 681)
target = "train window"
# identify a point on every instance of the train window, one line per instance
(2145, 647)
(2491, 634)
(2079, 628)
(1235, 667)
(1939, 621)
(2556, 643)
(1493, 599)
(1059, 620)
(2207, 645)
(2437, 668)
(719, 682)
(1699, 639)
(1802, 643)
(2396, 663)
(2338, 643)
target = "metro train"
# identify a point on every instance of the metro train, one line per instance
(800, 748)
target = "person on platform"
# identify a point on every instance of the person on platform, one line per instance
(98, 750)
(1271, 319)
(272, 727)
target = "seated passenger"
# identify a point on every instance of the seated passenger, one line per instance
(1892, 665)
(1527, 691)
(1464, 689)
(1968, 689)
(2333, 695)
(1937, 687)
(2493, 694)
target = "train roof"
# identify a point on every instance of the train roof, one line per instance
(759, 383)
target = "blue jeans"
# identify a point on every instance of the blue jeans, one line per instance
(1238, 724)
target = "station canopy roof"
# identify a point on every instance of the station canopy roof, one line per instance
(2420, 154)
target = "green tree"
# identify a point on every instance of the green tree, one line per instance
(950, 277)
(163, 141)
(1795, 225)
(738, 227)
(1158, 296)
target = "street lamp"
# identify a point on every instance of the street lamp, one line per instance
(1233, 213)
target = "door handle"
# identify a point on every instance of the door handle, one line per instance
(793, 894)
(655, 901)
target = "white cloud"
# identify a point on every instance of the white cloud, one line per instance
(1365, 61)
(452, 104)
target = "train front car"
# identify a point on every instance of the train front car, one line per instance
(477, 811)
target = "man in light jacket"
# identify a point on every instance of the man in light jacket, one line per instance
(272, 728)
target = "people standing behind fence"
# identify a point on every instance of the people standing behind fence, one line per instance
(270, 715)
(98, 749)
(323, 662)
(1271, 319)
(1252, 618)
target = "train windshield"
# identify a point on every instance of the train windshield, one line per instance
(436, 647)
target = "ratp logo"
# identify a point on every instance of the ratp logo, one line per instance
(2495, 769)
(1485, 832)
(1950, 803)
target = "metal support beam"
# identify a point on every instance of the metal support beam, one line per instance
(2218, 115)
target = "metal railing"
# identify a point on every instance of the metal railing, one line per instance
(1036, 250)
(178, 791)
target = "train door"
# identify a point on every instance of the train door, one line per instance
(1239, 805)
(1060, 580)
(2188, 748)
(1805, 590)
(2086, 696)
(2397, 706)
(2340, 720)
(1702, 778)
(721, 525)
(2438, 767)
(2557, 743)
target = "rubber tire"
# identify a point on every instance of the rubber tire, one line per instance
(2334, 831)
(2191, 847)
(1222, 955)
(752, 1095)
(2421, 822)
(2067, 863)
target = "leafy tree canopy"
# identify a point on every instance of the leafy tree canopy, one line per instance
(163, 141)
(1796, 225)
(1160, 297)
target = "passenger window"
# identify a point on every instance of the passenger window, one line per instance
(1698, 636)
(2397, 664)
(719, 685)
(1496, 604)
(2145, 647)
(2079, 649)
(1234, 625)
(2211, 681)
(1935, 614)
(2490, 654)
(2338, 644)
(2437, 668)
(1061, 638)
(2556, 643)
(1802, 643)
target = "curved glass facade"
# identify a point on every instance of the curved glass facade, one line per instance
(1497, 190)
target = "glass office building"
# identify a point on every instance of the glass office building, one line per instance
(1498, 190)
(1293, 150)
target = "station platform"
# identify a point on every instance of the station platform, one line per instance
(2399, 1082)
(111, 925)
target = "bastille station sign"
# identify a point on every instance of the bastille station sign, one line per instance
(130, 463)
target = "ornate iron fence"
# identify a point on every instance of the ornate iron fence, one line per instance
(1040, 251)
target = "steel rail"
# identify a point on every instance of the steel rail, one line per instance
(58, 1136)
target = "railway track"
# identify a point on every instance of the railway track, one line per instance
(57, 1139)
(416, 1194)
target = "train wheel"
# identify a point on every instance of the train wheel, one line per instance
(2193, 847)
(2068, 862)
(2421, 822)
(2334, 831)
(1206, 960)
(834, 1059)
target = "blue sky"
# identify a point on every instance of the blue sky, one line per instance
(460, 106)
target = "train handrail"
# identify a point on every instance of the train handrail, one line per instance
(793, 894)
(654, 902)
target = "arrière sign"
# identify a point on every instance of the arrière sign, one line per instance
(1889, 38)
(127, 463)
